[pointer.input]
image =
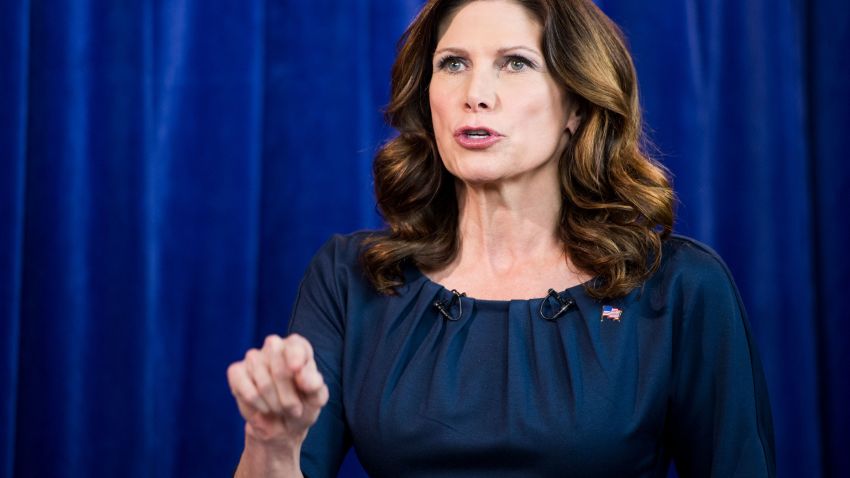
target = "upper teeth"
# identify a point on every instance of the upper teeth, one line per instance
(477, 132)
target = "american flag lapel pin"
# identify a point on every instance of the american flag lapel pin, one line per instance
(611, 313)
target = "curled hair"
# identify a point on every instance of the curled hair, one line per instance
(617, 202)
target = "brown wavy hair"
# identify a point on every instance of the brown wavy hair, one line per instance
(617, 202)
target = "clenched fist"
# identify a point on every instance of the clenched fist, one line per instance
(279, 391)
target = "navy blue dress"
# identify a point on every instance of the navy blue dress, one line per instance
(669, 372)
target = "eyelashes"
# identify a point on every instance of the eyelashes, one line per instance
(518, 63)
(453, 64)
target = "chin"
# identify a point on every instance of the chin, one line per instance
(479, 176)
(479, 168)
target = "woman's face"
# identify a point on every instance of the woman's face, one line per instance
(497, 112)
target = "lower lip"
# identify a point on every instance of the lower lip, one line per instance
(470, 142)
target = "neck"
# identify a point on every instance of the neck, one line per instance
(504, 225)
(509, 244)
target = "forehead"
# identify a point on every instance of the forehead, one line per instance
(500, 21)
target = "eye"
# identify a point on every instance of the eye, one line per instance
(451, 64)
(516, 63)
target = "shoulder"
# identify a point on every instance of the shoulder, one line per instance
(343, 250)
(692, 260)
(333, 280)
(693, 273)
(337, 262)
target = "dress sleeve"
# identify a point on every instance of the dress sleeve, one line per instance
(720, 420)
(318, 315)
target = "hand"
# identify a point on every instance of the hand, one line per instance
(279, 391)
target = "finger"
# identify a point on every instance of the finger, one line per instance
(313, 404)
(310, 383)
(258, 368)
(294, 351)
(247, 397)
(287, 396)
(308, 379)
(297, 352)
(314, 391)
(317, 399)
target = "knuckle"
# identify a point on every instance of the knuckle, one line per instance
(295, 336)
(278, 372)
(250, 396)
(289, 404)
(233, 369)
(262, 382)
(266, 387)
(251, 355)
(300, 343)
(271, 341)
(234, 392)
(288, 408)
(306, 344)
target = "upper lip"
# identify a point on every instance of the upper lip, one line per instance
(467, 129)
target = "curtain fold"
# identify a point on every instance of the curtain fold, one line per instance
(169, 167)
(828, 98)
(14, 35)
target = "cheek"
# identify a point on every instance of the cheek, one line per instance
(544, 115)
(440, 114)
(547, 104)
(438, 103)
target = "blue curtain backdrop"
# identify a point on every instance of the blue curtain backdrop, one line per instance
(168, 167)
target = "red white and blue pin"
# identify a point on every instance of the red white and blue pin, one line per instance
(611, 313)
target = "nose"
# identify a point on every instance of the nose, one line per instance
(480, 91)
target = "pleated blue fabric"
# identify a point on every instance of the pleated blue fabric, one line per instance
(169, 167)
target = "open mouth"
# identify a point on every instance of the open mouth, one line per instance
(477, 137)
(477, 133)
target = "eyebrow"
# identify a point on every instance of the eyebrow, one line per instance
(500, 51)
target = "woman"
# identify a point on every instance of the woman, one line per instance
(517, 170)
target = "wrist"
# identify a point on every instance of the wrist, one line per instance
(265, 458)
